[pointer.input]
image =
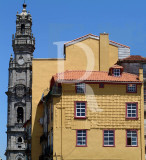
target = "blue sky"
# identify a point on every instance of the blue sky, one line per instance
(65, 20)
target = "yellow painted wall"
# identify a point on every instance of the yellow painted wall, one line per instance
(105, 110)
(76, 59)
(83, 55)
(113, 54)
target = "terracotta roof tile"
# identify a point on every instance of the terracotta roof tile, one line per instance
(94, 76)
(134, 58)
(117, 66)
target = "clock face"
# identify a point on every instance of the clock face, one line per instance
(21, 61)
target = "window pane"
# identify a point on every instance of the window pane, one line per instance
(131, 87)
(81, 137)
(108, 137)
(80, 109)
(80, 88)
(132, 138)
(131, 110)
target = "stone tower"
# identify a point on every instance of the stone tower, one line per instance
(19, 87)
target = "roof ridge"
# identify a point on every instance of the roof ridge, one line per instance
(80, 38)
(119, 44)
(95, 36)
(134, 58)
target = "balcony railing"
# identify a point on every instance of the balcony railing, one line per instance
(23, 41)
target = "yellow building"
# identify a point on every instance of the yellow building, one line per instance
(90, 53)
(95, 115)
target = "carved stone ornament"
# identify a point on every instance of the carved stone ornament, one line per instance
(20, 60)
(20, 90)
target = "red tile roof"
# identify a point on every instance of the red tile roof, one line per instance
(134, 58)
(95, 37)
(117, 66)
(69, 76)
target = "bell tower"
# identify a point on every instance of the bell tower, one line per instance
(19, 87)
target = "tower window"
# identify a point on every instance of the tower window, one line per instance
(20, 115)
(19, 140)
(22, 28)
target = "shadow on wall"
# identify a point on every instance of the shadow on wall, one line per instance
(37, 132)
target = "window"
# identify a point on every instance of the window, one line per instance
(19, 140)
(116, 72)
(101, 85)
(81, 136)
(80, 88)
(22, 28)
(20, 115)
(80, 109)
(131, 88)
(131, 110)
(131, 138)
(109, 138)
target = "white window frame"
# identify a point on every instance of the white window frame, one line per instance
(131, 134)
(131, 88)
(131, 110)
(80, 109)
(116, 72)
(81, 138)
(108, 138)
(80, 87)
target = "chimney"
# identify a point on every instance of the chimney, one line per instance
(104, 52)
(141, 74)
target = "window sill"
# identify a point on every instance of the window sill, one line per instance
(109, 146)
(80, 93)
(131, 146)
(127, 118)
(81, 146)
(80, 117)
(131, 92)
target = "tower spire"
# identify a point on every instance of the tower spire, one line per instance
(24, 5)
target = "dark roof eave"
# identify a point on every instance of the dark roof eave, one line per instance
(101, 81)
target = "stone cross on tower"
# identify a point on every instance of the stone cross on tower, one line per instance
(19, 87)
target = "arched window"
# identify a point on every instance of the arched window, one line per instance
(22, 28)
(20, 140)
(20, 115)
